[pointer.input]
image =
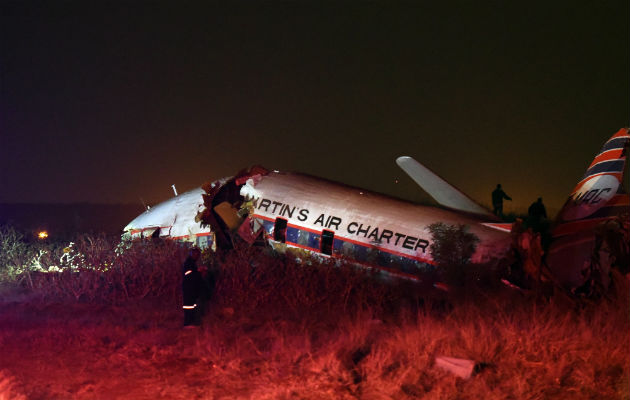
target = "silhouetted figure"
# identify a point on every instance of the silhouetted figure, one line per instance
(537, 220)
(537, 210)
(193, 288)
(497, 200)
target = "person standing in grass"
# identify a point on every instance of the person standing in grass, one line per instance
(497, 200)
(192, 288)
(537, 211)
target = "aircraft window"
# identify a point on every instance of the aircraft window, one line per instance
(203, 242)
(347, 249)
(371, 255)
(292, 235)
(280, 230)
(303, 237)
(384, 258)
(148, 232)
(328, 237)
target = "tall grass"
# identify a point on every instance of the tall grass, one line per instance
(278, 328)
(255, 280)
(92, 268)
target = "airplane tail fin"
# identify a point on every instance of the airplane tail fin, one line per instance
(441, 191)
(600, 193)
(599, 197)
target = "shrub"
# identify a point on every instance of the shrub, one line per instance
(252, 279)
(451, 248)
(98, 269)
(93, 268)
(14, 253)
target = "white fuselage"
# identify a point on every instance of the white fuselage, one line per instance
(359, 225)
(360, 217)
(175, 218)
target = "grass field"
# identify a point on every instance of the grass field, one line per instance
(278, 329)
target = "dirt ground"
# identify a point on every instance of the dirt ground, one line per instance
(85, 352)
(140, 351)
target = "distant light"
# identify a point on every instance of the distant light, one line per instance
(395, 180)
(42, 235)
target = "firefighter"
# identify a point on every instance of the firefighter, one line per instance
(192, 289)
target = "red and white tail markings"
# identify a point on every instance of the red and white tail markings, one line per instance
(599, 197)
(599, 194)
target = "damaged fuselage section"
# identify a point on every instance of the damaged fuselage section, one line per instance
(296, 211)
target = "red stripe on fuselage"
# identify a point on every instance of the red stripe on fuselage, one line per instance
(301, 246)
(201, 234)
(134, 231)
(358, 243)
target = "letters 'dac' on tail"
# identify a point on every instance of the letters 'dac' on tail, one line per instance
(599, 198)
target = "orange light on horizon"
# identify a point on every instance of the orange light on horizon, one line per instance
(42, 235)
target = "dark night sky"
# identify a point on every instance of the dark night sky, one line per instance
(113, 102)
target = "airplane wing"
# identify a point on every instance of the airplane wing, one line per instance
(440, 190)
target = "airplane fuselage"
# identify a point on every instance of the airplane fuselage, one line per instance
(336, 220)
(327, 218)
(174, 219)
(360, 225)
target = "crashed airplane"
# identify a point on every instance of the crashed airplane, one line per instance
(291, 210)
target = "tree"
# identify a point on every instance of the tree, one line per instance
(452, 246)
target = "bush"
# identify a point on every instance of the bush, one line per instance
(93, 268)
(14, 253)
(255, 280)
(144, 269)
(98, 269)
(451, 248)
